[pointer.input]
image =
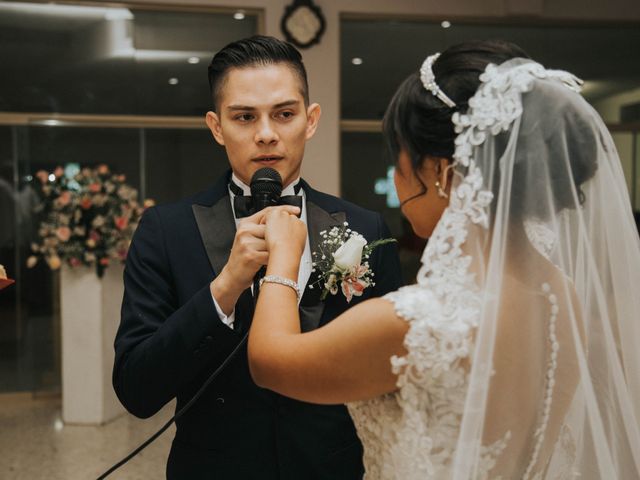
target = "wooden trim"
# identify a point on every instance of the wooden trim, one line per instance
(105, 121)
(375, 126)
(506, 20)
(366, 126)
(631, 127)
(172, 7)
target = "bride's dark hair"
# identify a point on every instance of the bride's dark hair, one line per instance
(420, 122)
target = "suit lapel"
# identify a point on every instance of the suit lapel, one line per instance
(311, 307)
(217, 229)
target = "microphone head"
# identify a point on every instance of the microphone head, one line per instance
(266, 181)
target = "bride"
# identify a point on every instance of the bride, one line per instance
(515, 353)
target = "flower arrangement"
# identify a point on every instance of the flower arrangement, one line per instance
(342, 262)
(88, 217)
(5, 281)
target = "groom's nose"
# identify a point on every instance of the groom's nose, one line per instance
(265, 132)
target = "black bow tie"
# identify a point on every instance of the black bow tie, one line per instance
(243, 204)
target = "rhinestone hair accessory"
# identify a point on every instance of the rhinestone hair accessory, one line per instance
(429, 80)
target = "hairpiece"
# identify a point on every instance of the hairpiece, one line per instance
(429, 80)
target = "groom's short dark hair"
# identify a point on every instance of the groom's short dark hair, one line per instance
(255, 51)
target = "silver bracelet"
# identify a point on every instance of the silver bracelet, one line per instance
(281, 281)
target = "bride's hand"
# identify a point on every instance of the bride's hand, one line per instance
(285, 232)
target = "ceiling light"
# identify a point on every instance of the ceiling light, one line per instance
(239, 15)
(193, 60)
(173, 81)
(446, 24)
(356, 61)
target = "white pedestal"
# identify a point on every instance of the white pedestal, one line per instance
(90, 314)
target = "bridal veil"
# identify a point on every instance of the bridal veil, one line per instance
(538, 253)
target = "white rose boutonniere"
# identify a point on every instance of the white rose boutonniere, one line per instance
(342, 262)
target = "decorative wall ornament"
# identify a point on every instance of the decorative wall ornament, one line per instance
(303, 23)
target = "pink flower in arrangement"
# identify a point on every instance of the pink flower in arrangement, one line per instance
(103, 169)
(354, 284)
(65, 198)
(75, 262)
(58, 172)
(121, 222)
(104, 261)
(63, 233)
(93, 235)
(85, 203)
(42, 176)
(95, 187)
(121, 178)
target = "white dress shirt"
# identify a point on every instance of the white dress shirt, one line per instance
(305, 263)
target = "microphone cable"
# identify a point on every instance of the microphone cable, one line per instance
(179, 413)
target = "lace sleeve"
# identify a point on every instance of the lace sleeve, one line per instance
(435, 342)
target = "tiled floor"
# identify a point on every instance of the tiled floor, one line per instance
(34, 444)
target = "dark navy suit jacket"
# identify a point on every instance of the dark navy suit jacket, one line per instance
(170, 340)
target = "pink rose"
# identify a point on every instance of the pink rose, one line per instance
(63, 233)
(95, 187)
(121, 222)
(42, 176)
(85, 203)
(64, 198)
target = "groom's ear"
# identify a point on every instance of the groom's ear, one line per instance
(213, 122)
(313, 118)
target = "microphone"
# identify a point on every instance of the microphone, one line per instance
(266, 187)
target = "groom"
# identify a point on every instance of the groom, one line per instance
(188, 289)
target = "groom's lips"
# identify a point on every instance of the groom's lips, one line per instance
(268, 160)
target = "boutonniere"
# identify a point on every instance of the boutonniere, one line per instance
(342, 262)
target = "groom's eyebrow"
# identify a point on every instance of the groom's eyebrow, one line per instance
(286, 103)
(240, 107)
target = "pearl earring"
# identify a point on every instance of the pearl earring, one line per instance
(441, 192)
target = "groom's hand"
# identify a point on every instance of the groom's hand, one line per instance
(248, 253)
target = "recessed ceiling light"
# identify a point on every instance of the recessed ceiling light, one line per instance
(446, 24)
(173, 81)
(193, 60)
(239, 15)
(356, 61)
